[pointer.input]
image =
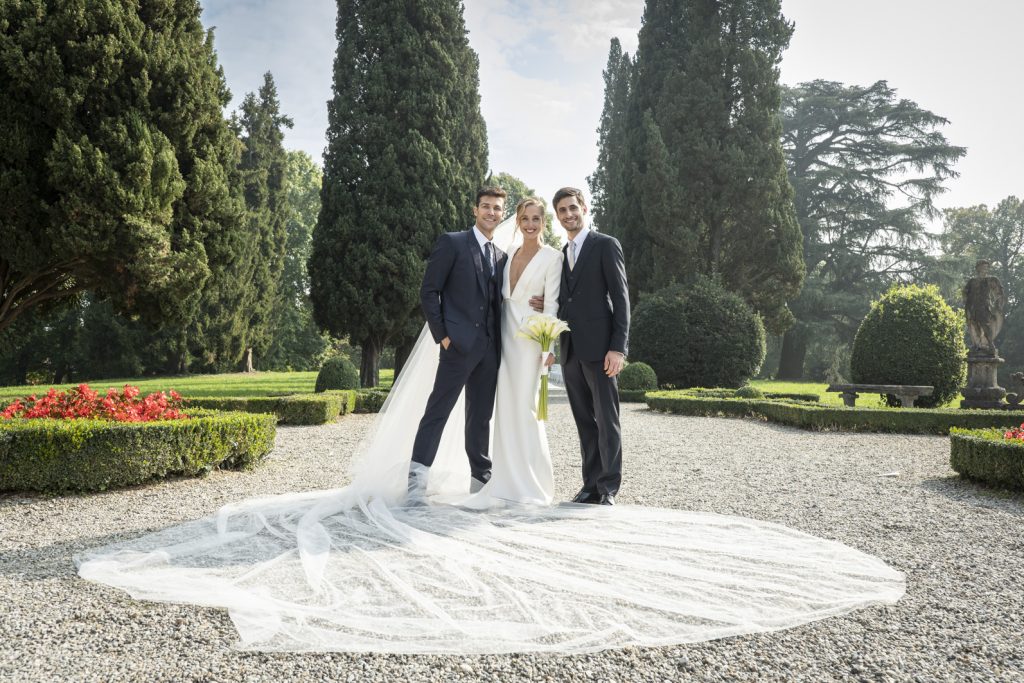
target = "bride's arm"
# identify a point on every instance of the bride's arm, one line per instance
(552, 283)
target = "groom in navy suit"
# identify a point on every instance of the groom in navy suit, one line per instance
(461, 300)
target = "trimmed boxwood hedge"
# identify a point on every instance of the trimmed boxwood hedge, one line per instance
(632, 395)
(369, 400)
(296, 409)
(984, 455)
(94, 455)
(825, 417)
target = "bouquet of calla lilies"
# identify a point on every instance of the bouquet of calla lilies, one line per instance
(543, 329)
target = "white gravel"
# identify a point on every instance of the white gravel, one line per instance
(960, 545)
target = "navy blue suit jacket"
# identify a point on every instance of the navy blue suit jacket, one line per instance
(454, 294)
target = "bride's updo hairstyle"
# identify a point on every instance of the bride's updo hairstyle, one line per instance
(527, 202)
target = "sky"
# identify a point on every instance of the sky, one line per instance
(542, 89)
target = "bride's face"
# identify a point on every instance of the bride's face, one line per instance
(531, 223)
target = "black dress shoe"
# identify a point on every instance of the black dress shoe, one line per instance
(589, 497)
(607, 499)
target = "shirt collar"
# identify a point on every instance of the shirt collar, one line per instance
(581, 237)
(481, 240)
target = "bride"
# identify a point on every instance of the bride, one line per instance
(361, 568)
(521, 461)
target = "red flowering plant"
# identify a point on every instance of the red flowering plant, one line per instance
(1015, 433)
(83, 402)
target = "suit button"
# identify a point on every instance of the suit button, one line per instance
(481, 308)
(570, 299)
(478, 324)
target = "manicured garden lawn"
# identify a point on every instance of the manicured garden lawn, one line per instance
(232, 384)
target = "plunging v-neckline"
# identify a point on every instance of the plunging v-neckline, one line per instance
(511, 287)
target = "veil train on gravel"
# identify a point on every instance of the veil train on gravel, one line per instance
(358, 569)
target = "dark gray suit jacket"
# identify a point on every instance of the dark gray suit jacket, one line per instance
(594, 299)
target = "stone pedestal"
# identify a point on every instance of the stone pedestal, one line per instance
(983, 390)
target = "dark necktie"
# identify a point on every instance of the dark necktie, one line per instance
(489, 250)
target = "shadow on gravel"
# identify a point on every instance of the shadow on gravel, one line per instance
(976, 494)
(52, 561)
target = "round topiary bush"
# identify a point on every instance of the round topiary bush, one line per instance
(912, 336)
(638, 377)
(337, 373)
(747, 391)
(698, 336)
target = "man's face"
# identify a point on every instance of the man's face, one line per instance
(488, 213)
(570, 213)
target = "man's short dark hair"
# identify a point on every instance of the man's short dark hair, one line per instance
(568, 192)
(490, 191)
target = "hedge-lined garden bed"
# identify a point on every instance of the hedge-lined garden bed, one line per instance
(808, 415)
(296, 409)
(985, 455)
(640, 396)
(54, 455)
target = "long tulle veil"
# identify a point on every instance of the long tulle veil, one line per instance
(359, 569)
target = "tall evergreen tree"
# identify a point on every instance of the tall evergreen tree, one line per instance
(607, 183)
(263, 170)
(702, 177)
(406, 149)
(297, 343)
(866, 168)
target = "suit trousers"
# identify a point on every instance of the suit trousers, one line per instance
(594, 399)
(476, 370)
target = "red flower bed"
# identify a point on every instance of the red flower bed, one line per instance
(1015, 433)
(83, 402)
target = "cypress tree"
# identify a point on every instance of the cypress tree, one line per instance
(262, 173)
(406, 149)
(297, 343)
(698, 175)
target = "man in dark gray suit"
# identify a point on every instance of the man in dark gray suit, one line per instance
(594, 301)
(461, 300)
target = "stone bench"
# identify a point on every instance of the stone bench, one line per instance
(906, 393)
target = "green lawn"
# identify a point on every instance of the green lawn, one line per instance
(232, 384)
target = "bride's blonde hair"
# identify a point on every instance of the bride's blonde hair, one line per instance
(527, 202)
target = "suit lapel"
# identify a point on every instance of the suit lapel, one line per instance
(478, 260)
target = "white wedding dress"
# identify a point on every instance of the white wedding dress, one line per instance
(360, 569)
(521, 460)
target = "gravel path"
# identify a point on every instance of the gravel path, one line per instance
(960, 545)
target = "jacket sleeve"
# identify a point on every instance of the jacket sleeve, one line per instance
(439, 265)
(552, 284)
(614, 265)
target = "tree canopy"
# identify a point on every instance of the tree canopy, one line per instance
(866, 167)
(406, 150)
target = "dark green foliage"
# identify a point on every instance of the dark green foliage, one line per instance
(699, 335)
(806, 415)
(337, 373)
(690, 169)
(117, 157)
(866, 168)
(748, 391)
(297, 343)
(406, 151)
(632, 395)
(263, 174)
(637, 377)
(912, 336)
(370, 400)
(294, 409)
(95, 455)
(984, 455)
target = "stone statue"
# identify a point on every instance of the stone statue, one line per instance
(984, 303)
